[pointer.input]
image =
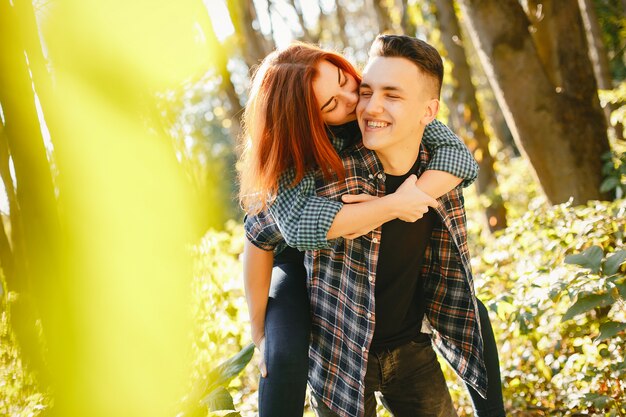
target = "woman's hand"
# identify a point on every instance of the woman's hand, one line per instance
(262, 365)
(409, 202)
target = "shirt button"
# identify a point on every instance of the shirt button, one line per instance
(369, 315)
(380, 176)
(371, 278)
(363, 348)
(375, 240)
(371, 176)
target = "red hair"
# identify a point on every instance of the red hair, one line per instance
(283, 125)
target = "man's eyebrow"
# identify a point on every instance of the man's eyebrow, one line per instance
(384, 88)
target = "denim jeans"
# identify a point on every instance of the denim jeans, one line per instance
(410, 380)
(287, 332)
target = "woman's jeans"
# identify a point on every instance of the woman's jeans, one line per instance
(287, 332)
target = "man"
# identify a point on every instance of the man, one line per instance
(393, 275)
(368, 295)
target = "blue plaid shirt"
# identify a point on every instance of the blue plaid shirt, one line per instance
(304, 218)
(342, 280)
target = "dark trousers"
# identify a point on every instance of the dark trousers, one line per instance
(493, 405)
(287, 332)
(410, 380)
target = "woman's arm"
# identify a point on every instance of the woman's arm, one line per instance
(307, 221)
(449, 156)
(408, 203)
(257, 274)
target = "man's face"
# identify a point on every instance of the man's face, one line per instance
(394, 98)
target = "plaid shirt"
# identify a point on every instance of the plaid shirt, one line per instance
(304, 219)
(342, 283)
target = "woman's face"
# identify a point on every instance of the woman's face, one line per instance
(336, 93)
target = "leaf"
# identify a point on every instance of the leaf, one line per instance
(590, 258)
(610, 329)
(230, 368)
(219, 399)
(613, 262)
(585, 302)
(609, 184)
(224, 413)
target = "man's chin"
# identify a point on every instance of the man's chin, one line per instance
(371, 142)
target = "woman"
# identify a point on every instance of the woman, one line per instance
(300, 98)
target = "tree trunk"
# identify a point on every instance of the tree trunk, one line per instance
(599, 58)
(543, 31)
(472, 124)
(306, 34)
(560, 128)
(341, 24)
(385, 24)
(253, 45)
(408, 26)
(35, 224)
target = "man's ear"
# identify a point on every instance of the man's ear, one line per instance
(430, 112)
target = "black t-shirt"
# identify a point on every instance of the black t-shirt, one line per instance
(399, 285)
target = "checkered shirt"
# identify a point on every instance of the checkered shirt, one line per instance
(304, 219)
(342, 281)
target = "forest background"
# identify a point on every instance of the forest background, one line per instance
(121, 234)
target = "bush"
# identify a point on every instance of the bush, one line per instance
(559, 326)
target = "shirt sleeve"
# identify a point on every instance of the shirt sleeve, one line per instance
(302, 217)
(449, 153)
(262, 231)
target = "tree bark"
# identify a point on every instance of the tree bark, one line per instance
(543, 31)
(306, 34)
(341, 24)
(599, 58)
(35, 227)
(382, 15)
(408, 26)
(254, 46)
(561, 129)
(467, 109)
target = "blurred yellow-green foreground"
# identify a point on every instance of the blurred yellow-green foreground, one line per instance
(96, 242)
(118, 123)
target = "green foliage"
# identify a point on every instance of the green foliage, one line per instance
(20, 395)
(220, 320)
(554, 282)
(614, 170)
(212, 395)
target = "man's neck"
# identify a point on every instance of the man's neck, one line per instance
(399, 160)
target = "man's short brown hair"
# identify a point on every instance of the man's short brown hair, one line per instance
(422, 54)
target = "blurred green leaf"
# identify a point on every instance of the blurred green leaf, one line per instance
(219, 399)
(609, 184)
(230, 368)
(598, 400)
(590, 258)
(224, 413)
(610, 329)
(613, 262)
(586, 302)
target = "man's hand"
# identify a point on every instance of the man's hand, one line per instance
(410, 202)
(262, 366)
